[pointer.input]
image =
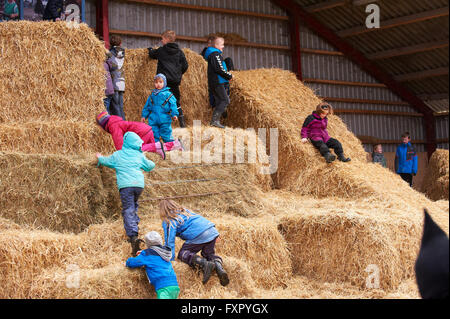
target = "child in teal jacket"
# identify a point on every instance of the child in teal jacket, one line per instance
(160, 110)
(129, 163)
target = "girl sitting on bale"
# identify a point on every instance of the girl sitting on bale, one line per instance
(199, 234)
(315, 129)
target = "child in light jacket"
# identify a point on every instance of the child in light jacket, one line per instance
(199, 234)
(129, 163)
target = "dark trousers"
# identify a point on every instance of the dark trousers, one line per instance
(188, 251)
(221, 98)
(211, 95)
(116, 106)
(175, 89)
(324, 148)
(129, 197)
(407, 178)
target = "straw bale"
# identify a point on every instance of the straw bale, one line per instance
(50, 71)
(435, 184)
(54, 192)
(139, 73)
(61, 137)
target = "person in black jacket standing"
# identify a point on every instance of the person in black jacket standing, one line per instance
(173, 64)
(218, 79)
(53, 10)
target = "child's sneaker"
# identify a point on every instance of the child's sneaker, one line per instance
(344, 159)
(178, 145)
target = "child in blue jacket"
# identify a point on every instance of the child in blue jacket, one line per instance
(129, 163)
(406, 159)
(199, 234)
(159, 270)
(161, 109)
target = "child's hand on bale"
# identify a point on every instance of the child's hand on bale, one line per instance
(143, 120)
(98, 155)
(304, 140)
(175, 118)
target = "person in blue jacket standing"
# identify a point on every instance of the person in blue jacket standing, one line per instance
(129, 163)
(218, 79)
(159, 270)
(406, 159)
(199, 234)
(160, 109)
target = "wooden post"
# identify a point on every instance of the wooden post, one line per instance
(294, 27)
(102, 26)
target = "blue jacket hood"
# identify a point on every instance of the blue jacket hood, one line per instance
(132, 141)
(211, 50)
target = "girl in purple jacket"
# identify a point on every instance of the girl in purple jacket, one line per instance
(315, 129)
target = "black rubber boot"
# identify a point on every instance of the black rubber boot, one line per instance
(221, 273)
(207, 267)
(215, 121)
(330, 157)
(135, 245)
(344, 159)
(182, 121)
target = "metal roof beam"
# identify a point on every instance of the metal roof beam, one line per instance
(422, 74)
(418, 17)
(409, 50)
(325, 5)
(368, 66)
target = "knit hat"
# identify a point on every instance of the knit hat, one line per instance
(102, 119)
(153, 239)
(163, 77)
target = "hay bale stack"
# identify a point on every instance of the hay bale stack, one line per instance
(435, 184)
(50, 72)
(100, 252)
(341, 246)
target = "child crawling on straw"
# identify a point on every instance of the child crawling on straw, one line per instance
(129, 163)
(199, 234)
(158, 268)
(315, 129)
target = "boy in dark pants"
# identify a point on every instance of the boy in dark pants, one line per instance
(129, 163)
(116, 62)
(406, 159)
(218, 79)
(173, 64)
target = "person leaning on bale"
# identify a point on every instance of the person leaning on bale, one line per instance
(315, 129)
(230, 67)
(129, 163)
(117, 127)
(199, 234)
(173, 64)
(116, 61)
(406, 159)
(218, 79)
(158, 268)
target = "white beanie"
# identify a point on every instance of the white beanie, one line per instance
(153, 238)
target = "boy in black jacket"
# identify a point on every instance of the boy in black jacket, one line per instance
(173, 64)
(53, 10)
(218, 79)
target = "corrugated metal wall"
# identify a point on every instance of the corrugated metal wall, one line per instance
(156, 19)
(340, 68)
(193, 23)
(442, 130)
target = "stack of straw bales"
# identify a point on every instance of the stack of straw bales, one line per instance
(322, 230)
(435, 184)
